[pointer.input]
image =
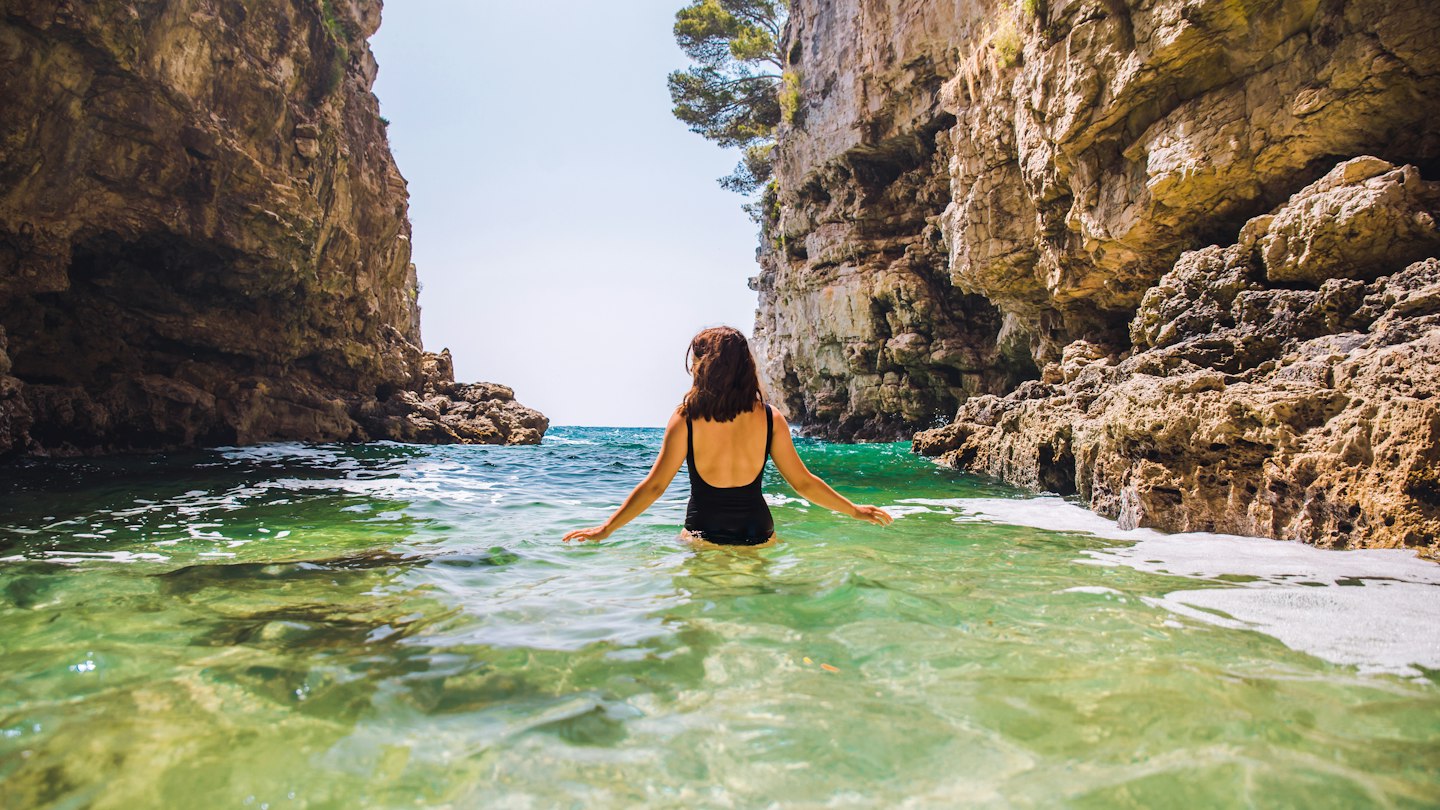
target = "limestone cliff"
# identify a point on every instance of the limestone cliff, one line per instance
(1276, 386)
(1039, 184)
(204, 237)
(860, 332)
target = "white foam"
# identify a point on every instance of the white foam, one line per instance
(286, 451)
(1045, 512)
(1375, 609)
(437, 488)
(953, 503)
(1379, 628)
(88, 556)
(898, 511)
(552, 439)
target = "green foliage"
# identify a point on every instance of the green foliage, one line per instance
(731, 112)
(334, 28)
(765, 212)
(1005, 39)
(753, 44)
(789, 95)
(334, 72)
(1031, 8)
(338, 32)
(755, 169)
(730, 94)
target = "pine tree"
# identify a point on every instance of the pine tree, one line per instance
(731, 95)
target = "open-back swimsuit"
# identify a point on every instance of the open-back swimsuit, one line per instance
(734, 516)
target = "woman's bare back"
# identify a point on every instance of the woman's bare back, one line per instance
(730, 454)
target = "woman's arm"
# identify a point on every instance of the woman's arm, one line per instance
(809, 485)
(672, 455)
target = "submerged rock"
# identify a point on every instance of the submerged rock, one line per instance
(1257, 399)
(203, 235)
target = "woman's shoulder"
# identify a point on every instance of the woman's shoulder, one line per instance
(776, 417)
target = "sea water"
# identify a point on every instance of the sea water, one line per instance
(388, 625)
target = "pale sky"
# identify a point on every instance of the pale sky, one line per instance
(569, 233)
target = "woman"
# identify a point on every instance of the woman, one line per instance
(720, 429)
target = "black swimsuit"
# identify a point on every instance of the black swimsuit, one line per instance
(734, 516)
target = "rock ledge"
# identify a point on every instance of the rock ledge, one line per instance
(1285, 386)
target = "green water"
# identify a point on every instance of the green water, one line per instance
(396, 626)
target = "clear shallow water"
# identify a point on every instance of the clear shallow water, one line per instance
(388, 625)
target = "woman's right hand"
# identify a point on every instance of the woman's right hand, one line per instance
(592, 534)
(873, 514)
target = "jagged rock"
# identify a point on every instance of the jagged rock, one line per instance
(1041, 181)
(1129, 132)
(1311, 414)
(1083, 354)
(1362, 218)
(931, 185)
(203, 234)
(859, 332)
(461, 413)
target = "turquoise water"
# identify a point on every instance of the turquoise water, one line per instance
(389, 625)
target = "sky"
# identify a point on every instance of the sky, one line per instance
(569, 234)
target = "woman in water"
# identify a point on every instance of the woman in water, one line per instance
(724, 421)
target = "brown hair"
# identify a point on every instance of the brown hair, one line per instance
(726, 380)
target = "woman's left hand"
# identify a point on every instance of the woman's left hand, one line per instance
(596, 533)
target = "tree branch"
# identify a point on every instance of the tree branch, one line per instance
(756, 77)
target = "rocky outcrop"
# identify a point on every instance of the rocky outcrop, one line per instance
(1287, 385)
(447, 412)
(977, 185)
(860, 333)
(204, 237)
(1058, 173)
(1128, 132)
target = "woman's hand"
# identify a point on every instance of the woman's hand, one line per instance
(873, 514)
(595, 533)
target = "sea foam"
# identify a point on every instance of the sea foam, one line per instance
(1375, 609)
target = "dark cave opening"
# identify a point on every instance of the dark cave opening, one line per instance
(127, 311)
(133, 353)
(1056, 469)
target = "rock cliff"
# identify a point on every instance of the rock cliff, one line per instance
(861, 333)
(1287, 385)
(1045, 188)
(204, 237)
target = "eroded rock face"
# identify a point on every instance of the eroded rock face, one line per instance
(1287, 385)
(860, 333)
(1062, 175)
(1130, 131)
(203, 235)
(1050, 190)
